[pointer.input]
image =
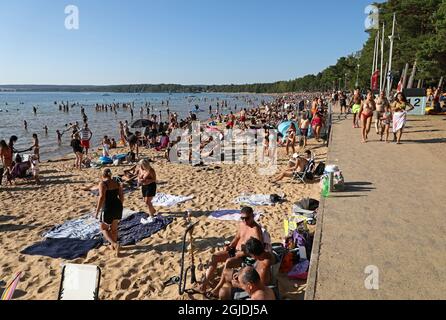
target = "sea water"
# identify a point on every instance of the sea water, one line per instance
(15, 107)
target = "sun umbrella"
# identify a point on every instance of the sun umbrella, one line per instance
(284, 126)
(141, 123)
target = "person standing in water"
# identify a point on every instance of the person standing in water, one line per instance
(25, 125)
(111, 202)
(36, 147)
(147, 181)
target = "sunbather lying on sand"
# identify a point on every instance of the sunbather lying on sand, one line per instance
(233, 254)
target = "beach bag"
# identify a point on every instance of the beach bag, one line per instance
(300, 271)
(338, 181)
(275, 198)
(320, 169)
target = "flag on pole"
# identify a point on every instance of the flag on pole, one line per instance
(375, 80)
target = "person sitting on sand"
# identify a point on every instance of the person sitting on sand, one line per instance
(113, 144)
(233, 254)
(296, 166)
(257, 287)
(147, 181)
(111, 201)
(106, 145)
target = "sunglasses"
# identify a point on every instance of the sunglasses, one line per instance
(245, 218)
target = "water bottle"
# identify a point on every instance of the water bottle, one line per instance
(325, 187)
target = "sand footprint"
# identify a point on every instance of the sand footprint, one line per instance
(125, 284)
(132, 295)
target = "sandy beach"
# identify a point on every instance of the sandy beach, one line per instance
(29, 210)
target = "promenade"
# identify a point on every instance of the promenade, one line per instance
(392, 217)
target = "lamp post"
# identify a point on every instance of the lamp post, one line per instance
(357, 76)
(345, 81)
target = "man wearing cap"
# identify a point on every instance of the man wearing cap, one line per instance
(297, 164)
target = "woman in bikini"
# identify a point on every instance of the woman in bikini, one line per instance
(147, 181)
(111, 200)
(291, 139)
(366, 114)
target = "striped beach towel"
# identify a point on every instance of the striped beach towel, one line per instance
(8, 293)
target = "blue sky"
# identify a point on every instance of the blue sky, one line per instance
(175, 41)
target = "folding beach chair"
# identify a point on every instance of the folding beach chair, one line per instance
(80, 282)
(9, 290)
(307, 174)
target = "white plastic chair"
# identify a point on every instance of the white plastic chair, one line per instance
(80, 282)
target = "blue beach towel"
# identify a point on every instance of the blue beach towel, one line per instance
(131, 230)
(84, 228)
(68, 249)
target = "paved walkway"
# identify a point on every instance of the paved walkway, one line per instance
(392, 216)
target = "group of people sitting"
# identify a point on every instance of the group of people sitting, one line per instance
(13, 166)
(247, 263)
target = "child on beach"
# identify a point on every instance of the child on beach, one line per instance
(303, 126)
(386, 120)
(36, 147)
(106, 145)
(59, 137)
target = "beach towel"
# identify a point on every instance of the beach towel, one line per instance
(255, 200)
(9, 290)
(83, 228)
(168, 200)
(230, 215)
(68, 249)
(399, 120)
(131, 230)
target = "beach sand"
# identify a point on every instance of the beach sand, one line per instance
(27, 210)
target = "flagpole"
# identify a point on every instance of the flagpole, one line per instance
(381, 84)
(392, 37)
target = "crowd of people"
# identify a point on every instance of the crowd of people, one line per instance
(307, 114)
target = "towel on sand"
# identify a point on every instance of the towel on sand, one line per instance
(255, 200)
(230, 215)
(68, 249)
(131, 230)
(168, 200)
(83, 228)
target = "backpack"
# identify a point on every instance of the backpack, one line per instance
(320, 169)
